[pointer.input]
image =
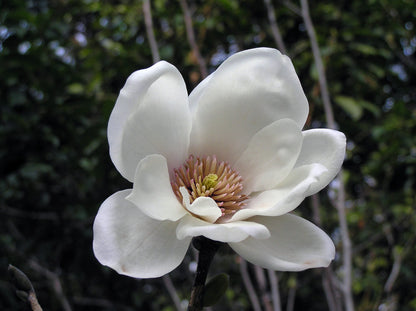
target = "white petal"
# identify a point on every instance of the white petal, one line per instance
(133, 244)
(295, 244)
(270, 155)
(225, 232)
(285, 197)
(152, 192)
(151, 115)
(249, 91)
(326, 147)
(204, 207)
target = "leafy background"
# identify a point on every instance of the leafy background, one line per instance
(62, 64)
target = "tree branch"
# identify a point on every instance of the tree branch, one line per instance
(167, 281)
(249, 285)
(340, 205)
(191, 38)
(274, 284)
(274, 27)
(149, 30)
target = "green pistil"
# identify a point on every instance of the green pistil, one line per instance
(210, 181)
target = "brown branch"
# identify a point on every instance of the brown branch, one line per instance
(261, 281)
(55, 281)
(274, 284)
(274, 27)
(207, 249)
(249, 285)
(340, 205)
(24, 288)
(149, 30)
(167, 281)
(327, 274)
(290, 306)
(191, 38)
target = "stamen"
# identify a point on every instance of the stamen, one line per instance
(207, 177)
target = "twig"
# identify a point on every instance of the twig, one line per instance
(24, 288)
(330, 290)
(291, 297)
(207, 249)
(327, 273)
(191, 38)
(149, 30)
(249, 285)
(346, 242)
(261, 281)
(274, 284)
(167, 281)
(318, 62)
(55, 281)
(394, 273)
(274, 27)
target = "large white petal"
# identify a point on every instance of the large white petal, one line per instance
(295, 244)
(152, 192)
(270, 155)
(226, 232)
(326, 147)
(151, 115)
(132, 243)
(285, 197)
(249, 91)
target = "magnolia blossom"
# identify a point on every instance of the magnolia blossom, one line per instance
(229, 162)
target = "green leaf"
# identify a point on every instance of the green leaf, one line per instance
(215, 289)
(350, 106)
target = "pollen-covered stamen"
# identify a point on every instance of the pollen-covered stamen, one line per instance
(205, 177)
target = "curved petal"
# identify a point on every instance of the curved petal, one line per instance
(295, 244)
(285, 197)
(326, 147)
(270, 155)
(204, 207)
(226, 232)
(133, 244)
(152, 192)
(151, 115)
(249, 91)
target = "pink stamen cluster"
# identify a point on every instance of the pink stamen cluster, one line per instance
(227, 191)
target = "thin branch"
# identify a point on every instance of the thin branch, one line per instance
(249, 285)
(346, 242)
(331, 291)
(24, 287)
(290, 306)
(167, 281)
(55, 281)
(327, 274)
(261, 281)
(149, 30)
(394, 273)
(274, 284)
(191, 38)
(318, 62)
(274, 27)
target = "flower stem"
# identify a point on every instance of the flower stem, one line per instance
(207, 249)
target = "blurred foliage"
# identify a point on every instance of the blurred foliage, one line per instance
(62, 65)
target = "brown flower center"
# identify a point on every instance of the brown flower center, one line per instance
(206, 177)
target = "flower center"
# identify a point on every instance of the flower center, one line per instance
(206, 177)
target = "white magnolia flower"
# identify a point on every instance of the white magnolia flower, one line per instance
(229, 162)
